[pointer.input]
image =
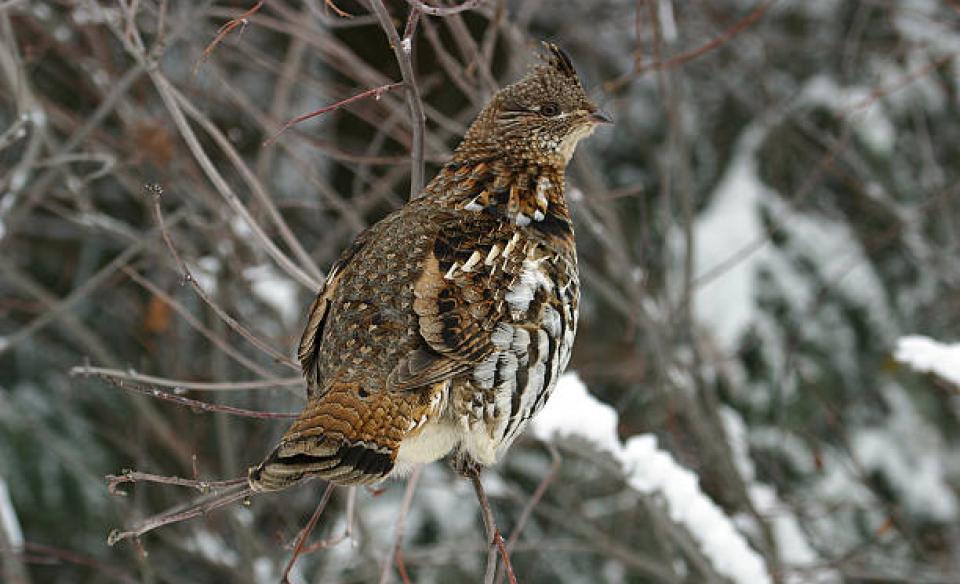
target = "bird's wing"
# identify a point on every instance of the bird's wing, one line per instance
(309, 349)
(460, 298)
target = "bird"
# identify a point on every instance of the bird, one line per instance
(444, 327)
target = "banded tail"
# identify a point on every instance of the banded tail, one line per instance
(347, 436)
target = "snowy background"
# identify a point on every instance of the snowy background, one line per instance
(766, 383)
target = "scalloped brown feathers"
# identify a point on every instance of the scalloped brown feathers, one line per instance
(443, 329)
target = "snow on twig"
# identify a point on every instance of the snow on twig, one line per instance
(574, 412)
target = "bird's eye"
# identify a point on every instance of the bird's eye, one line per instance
(549, 109)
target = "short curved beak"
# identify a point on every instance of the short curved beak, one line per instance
(601, 117)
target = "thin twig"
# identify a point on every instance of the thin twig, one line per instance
(218, 340)
(298, 548)
(494, 538)
(133, 476)
(714, 43)
(226, 29)
(534, 500)
(179, 107)
(87, 370)
(57, 555)
(444, 10)
(202, 508)
(351, 517)
(196, 404)
(156, 191)
(376, 92)
(402, 49)
(401, 525)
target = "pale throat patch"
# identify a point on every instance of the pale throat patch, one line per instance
(569, 143)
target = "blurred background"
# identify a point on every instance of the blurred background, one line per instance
(775, 207)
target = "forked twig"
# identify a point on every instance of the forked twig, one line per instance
(132, 476)
(156, 191)
(534, 500)
(399, 529)
(193, 403)
(376, 92)
(298, 548)
(206, 505)
(444, 10)
(494, 538)
(226, 29)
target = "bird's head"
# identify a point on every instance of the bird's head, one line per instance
(540, 118)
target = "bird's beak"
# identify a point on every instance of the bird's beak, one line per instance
(600, 117)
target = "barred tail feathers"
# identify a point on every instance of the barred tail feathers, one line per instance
(347, 436)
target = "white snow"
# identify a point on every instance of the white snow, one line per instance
(276, 290)
(910, 454)
(407, 45)
(8, 518)
(865, 111)
(213, 548)
(205, 272)
(930, 356)
(732, 248)
(572, 411)
(804, 564)
(730, 225)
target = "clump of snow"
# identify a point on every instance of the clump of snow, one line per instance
(8, 518)
(910, 455)
(733, 248)
(572, 411)
(805, 565)
(276, 290)
(730, 226)
(866, 112)
(930, 356)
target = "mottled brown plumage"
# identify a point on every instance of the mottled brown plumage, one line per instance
(444, 327)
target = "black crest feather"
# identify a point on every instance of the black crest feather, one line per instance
(559, 60)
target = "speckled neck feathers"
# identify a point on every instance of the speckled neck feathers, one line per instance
(521, 193)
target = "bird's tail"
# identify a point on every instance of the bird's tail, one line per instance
(346, 436)
(330, 460)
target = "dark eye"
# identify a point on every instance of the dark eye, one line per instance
(549, 109)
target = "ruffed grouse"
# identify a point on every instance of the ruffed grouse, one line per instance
(444, 327)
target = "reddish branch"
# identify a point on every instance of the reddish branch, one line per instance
(226, 29)
(193, 403)
(376, 92)
(677, 60)
(298, 548)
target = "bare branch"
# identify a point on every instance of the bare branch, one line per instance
(376, 92)
(156, 191)
(88, 371)
(132, 476)
(400, 526)
(403, 49)
(298, 548)
(447, 10)
(192, 403)
(178, 514)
